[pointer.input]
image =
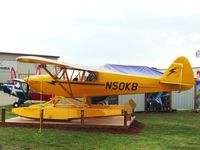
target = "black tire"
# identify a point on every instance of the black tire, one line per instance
(16, 105)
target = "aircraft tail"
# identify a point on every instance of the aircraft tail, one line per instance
(179, 73)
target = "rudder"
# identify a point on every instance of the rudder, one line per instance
(180, 73)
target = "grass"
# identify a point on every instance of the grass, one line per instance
(180, 130)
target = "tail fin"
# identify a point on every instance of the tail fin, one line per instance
(179, 73)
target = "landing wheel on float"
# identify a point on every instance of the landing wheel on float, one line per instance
(16, 104)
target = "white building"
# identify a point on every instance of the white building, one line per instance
(8, 61)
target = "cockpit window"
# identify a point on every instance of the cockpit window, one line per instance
(24, 87)
(74, 74)
(91, 77)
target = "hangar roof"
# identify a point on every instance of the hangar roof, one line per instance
(24, 54)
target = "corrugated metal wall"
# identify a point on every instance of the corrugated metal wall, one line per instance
(183, 100)
(25, 69)
(138, 98)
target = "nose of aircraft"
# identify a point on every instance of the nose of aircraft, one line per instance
(37, 78)
(36, 81)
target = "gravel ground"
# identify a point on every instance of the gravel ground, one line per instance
(5, 99)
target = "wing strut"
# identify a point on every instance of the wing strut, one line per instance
(70, 93)
(69, 84)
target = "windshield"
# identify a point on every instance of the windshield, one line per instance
(73, 74)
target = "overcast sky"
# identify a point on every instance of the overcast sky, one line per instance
(91, 32)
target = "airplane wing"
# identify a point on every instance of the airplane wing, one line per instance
(40, 60)
(19, 80)
(45, 61)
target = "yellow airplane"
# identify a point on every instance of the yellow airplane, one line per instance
(76, 85)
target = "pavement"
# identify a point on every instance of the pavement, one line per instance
(5, 99)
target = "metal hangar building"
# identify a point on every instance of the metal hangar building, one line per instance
(8, 61)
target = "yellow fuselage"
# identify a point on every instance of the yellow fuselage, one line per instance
(106, 84)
